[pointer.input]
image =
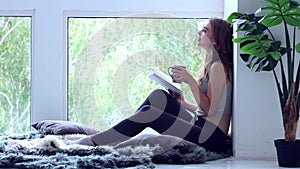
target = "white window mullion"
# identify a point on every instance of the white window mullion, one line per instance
(47, 87)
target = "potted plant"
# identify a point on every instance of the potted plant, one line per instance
(262, 51)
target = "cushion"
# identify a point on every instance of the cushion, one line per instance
(173, 149)
(59, 127)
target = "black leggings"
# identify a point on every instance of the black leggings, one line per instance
(161, 112)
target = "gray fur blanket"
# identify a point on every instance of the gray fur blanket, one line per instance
(36, 150)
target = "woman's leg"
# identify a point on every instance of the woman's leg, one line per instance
(203, 133)
(159, 111)
(147, 116)
(164, 101)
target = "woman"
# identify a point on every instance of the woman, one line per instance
(169, 114)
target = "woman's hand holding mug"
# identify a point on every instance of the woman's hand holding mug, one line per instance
(176, 72)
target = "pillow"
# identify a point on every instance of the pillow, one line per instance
(59, 127)
(173, 150)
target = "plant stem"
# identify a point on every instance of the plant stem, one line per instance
(280, 94)
(294, 44)
(289, 57)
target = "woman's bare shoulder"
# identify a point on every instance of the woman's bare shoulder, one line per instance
(217, 67)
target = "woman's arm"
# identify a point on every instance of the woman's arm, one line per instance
(217, 81)
(189, 106)
(201, 99)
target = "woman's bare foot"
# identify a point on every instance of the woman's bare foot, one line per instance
(83, 141)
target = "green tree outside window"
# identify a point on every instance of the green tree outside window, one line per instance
(110, 58)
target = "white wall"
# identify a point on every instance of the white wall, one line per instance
(257, 116)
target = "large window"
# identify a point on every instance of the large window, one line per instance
(109, 60)
(15, 74)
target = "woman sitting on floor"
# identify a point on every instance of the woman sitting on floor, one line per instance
(167, 113)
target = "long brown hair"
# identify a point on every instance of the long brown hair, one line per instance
(222, 33)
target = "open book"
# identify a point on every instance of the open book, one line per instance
(164, 80)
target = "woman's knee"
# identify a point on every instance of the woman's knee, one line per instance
(146, 114)
(158, 92)
(159, 98)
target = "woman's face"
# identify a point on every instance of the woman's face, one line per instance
(205, 37)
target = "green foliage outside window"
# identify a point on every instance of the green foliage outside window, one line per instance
(110, 58)
(108, 65)
(15, 72)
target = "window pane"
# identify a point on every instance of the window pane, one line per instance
(15, 73)
(110, 58)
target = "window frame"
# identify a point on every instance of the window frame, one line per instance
(49, 50)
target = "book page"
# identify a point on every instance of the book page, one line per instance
(165, 80)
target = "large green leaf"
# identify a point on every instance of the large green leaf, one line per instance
(298, 47)
(275, 55)
(276, 51)
(234, 16)
(243, 39)
(259, 64)
(250, 60)
(246, 27)
(257, 48)
(282, 10)
(271, 64)
(272, 19)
